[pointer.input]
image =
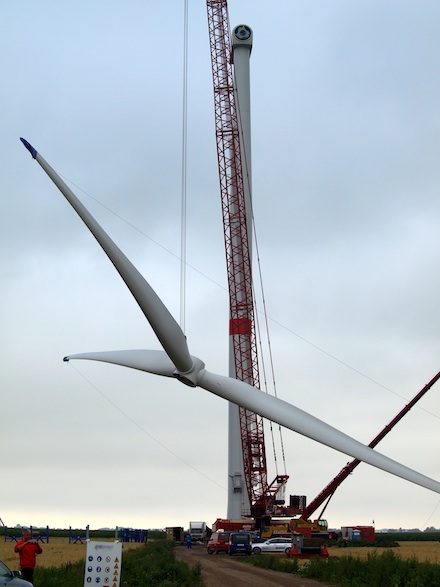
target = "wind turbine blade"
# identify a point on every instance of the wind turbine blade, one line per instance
(304, 423)
(157, 362)
(166, 328)
(267, 406)
(191, 370)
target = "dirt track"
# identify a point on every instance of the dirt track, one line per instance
(221, 570)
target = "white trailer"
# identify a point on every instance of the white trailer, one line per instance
(198, 531)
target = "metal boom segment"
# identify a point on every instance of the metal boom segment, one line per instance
(238, 255)
(329, 490)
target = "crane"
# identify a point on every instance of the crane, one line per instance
(233, 156)
(327, 493)
(232, 152)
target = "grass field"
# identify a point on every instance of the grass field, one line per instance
(57, 552)
(422, 551)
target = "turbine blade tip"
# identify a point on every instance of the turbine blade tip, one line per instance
(66, 359)
(29, 147)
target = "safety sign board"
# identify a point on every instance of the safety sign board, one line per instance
(103, 564)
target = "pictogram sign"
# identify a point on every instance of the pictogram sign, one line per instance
(103, 564)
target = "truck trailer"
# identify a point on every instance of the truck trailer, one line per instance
(198, 531)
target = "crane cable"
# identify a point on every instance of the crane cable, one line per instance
(269, 346)
(247, 179)
(184, 170)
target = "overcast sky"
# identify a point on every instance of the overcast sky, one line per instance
(346, 141)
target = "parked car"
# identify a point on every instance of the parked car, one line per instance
(11, 578)
(273, 545)
(240, 543)
(219, 542)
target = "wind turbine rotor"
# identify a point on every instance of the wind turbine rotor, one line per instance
(177, 362)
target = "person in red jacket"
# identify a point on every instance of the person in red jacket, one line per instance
(27, 551)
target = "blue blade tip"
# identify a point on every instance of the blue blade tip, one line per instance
(29, 147)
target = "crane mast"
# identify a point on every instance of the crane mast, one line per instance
(237, 229)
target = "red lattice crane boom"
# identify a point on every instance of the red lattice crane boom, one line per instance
(238, 257)
(329, 490)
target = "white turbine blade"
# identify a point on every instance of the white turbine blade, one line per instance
(190, 370)
(267, 406)
(166, 328)
(157, 362)
(304, 423)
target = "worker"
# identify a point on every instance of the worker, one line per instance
(27, 550)
(188, 540)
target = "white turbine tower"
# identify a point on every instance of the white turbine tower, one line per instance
(238, 501)
(176, 361)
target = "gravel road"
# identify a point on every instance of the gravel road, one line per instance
(222, 570)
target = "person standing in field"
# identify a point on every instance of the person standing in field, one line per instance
(27, 551)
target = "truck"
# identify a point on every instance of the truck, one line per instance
(198, 531)
(246, 524)
(356, 533)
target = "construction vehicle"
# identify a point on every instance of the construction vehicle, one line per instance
(356, 533)
(299, 550)
(231, 525)
(198, 531)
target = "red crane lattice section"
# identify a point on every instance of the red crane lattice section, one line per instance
(330, 489)
(238, 258)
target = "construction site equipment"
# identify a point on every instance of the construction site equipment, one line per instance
(175, 534)
(298, 549)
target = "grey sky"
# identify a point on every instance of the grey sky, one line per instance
(345, 130)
